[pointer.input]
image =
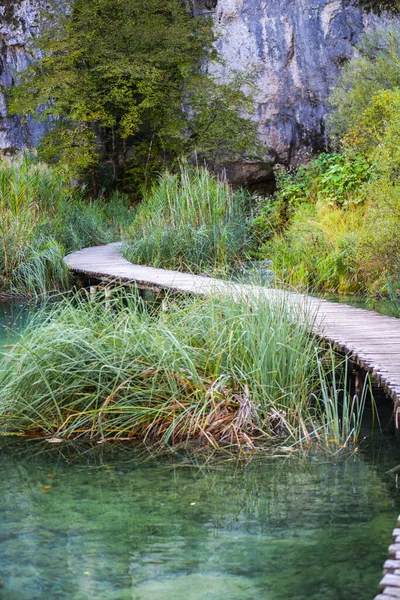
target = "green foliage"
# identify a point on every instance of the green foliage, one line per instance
(221, 371)
(380, 6)
(218, 128)
(376, 67)
(341, 178)
(293, 186)
(40, 220)
(124, 84)
(189, 221)
(379, 240)
(335, 179)
(377, 134)
(318, 248)
(346, 246)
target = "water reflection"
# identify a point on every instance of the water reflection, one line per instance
(101, 526)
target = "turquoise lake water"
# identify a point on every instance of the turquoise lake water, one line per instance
(108, 522)
(14, 316)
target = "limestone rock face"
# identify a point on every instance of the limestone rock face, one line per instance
(296, 48)
(18, 26)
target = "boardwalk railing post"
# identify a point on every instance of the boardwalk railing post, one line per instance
(107, 295)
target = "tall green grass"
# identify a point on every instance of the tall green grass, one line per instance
(40, 220)
(189, 221)
(220, 371)
(340, 410)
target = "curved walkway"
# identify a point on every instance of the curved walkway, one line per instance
(373, 340)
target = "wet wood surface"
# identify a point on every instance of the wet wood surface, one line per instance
(371, 339)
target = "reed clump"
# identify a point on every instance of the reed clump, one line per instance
(40, 220)
(190, 221)
(222, 371)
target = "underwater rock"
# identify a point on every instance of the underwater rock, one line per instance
(198, 586)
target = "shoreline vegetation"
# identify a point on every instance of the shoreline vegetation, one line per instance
(236, 373)
(240, 374)
(41, 219)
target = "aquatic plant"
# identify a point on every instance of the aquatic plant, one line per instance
(238, 371)
(40, 220)
(189, 221)
(319, 248)
(341, 411)
(221, 370)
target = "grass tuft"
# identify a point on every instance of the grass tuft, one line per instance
(221, 372)
(189, 221)
(41, 220)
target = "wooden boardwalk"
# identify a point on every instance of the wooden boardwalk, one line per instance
(371, 339)
(390, 584)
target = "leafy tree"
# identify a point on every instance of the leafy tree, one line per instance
(377, 132)
(126, 86)
(375, 67)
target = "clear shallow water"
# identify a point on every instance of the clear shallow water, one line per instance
(110, 523)
(118, 526)
(14, 317)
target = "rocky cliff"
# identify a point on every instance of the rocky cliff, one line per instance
(296, 48)
(18, 27)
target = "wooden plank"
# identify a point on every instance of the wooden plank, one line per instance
(392, 564)
(391, 592)
(390, 580)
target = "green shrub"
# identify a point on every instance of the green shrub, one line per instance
(335, 179)
(341, 178)
(377, 133)
(379, 242)
(375, 67)
(318, 250)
